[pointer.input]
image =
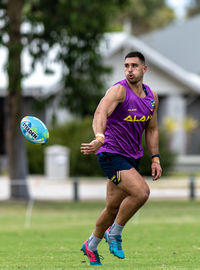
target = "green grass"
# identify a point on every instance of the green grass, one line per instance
(163, 235)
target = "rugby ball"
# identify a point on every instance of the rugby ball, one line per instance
(34, 130)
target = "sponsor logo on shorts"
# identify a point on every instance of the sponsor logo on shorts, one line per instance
(116, 178)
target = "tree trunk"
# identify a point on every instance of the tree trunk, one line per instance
(15, 142)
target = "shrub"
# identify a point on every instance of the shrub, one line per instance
(35, 154)
(72, 135)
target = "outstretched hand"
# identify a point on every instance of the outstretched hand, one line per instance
(156, 170)
(90, 148)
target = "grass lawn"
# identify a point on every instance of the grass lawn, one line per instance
(163, 235)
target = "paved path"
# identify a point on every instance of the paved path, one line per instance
(42, 188)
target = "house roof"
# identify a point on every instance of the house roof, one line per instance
(116, 41)
(180, 42)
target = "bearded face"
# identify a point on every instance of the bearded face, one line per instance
(134, 70)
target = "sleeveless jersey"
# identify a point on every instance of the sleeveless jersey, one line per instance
(124, 128)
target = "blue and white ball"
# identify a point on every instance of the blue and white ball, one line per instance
(34, 130)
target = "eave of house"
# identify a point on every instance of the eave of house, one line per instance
(123, 41)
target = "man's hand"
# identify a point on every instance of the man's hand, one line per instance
(156, 170)
(90, 148)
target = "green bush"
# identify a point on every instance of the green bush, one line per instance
(72, 135)
(35, 155)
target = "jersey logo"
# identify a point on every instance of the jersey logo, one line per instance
(152, 103)
(135, 119)
(132, 110)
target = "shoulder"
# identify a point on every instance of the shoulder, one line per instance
(117, 91)
(155, 95)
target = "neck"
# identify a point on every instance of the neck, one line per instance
(137, 88)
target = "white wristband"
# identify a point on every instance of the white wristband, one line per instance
(100, 135)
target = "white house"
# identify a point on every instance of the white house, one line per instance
(180, 42)
(177, 88)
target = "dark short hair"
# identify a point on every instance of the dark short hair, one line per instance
(136, 54)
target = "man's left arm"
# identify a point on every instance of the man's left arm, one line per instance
(152, 142)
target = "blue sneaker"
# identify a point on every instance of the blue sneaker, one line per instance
(93, 256)
(115, 244)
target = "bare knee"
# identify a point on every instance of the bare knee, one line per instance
(145, 195)
(142, 195)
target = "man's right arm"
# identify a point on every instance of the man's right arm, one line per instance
(107, 105)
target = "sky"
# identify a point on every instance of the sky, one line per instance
(179, 6)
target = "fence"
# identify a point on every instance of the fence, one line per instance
(42, 188)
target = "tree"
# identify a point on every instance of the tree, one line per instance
(144, 16)
(75, 28)
(14, 141)
(78, 27)
(193, 8)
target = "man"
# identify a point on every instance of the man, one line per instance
(128, 108)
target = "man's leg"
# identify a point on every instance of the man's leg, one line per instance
(122, 201)
(114, 197)
(113, 200)
(133, 184)
(137, 192)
